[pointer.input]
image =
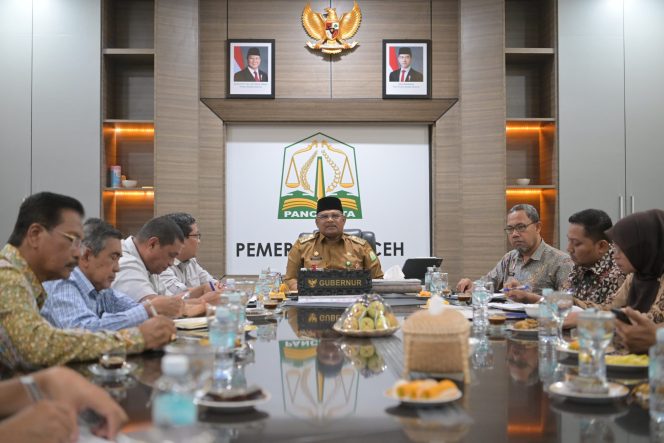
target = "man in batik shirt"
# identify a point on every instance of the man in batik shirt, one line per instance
(45, 245)
(595, 275)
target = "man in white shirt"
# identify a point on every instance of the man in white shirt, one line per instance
(146, 255)
(185, 274)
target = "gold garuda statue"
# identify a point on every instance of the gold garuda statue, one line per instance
(330, 32)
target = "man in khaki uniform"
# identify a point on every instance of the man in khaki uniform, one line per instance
(330, 248)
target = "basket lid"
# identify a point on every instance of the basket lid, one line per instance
(448, 321)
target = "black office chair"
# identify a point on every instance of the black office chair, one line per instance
(369, 236)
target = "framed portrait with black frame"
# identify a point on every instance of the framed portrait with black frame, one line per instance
(406, 68)
(250, 71)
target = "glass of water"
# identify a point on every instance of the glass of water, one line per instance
(560, 304)
(595, 332)
(436, 283)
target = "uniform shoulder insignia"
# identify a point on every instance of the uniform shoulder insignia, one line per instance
(358, 240)
(306, 238)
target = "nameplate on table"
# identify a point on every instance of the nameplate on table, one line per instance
(333, 282)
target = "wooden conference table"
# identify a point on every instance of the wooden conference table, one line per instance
(326, 388)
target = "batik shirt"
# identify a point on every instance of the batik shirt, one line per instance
(594, 284)
(548, 267)
(27, 340)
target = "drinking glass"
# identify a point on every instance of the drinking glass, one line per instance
(436, 283)
(114, 358)
(560, 304)
(595, 333)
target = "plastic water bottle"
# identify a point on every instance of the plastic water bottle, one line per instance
(236, 308)
(547, 331)
(656, 378)
(480, 299)
(223, 329)
(173, 404)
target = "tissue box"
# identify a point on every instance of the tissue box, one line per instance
(436, 343)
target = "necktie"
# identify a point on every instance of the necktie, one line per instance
(403, 74)
(256, 76)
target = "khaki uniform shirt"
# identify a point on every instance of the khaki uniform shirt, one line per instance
(27, 340)
(350, 252)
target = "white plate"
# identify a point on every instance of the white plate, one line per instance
(528, 332)
(391, 393)
(191, 323)
(563, 389)
(127, 369)
(231, 405)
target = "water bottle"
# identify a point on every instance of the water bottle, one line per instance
(229, 286)
(656, 378)
(173, 403)
(223, 329)
(480, 299)
(237, 310)
(427, 279)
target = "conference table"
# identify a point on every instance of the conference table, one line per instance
(329, 388)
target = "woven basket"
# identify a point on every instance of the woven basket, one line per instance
(436, 343)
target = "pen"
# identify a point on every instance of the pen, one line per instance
(519, 288)
(211, 285)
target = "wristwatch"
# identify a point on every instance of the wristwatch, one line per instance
(31, 386)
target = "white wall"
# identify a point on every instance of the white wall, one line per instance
(611, 98)
(50, 107)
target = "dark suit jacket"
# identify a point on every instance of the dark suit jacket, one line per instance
(413, 76)
(245, 76)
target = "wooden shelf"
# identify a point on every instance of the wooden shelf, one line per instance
(118, 121)
(128, 51)
(134, 190)
(528, 55)
(335, 110)
(530, 119)
(531, 187)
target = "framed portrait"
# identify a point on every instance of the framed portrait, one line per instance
(406, 68)
(250, 69)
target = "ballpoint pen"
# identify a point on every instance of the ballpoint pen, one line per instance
(518, 288)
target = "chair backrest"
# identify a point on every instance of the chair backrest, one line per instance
(369, 236)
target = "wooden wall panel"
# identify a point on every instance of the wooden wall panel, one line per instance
(298, 73)
(358, 74)
(483, 134)
(447, 193)
(211, 156)
(176, 107)
(445, 48)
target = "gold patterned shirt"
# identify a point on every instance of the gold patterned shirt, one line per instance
(595, 284)
(548, 267)
(27, 340)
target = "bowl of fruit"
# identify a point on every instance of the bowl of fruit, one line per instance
(368, 316)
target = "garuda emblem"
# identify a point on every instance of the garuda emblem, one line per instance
(330, 32)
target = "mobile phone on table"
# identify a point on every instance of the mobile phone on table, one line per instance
(620, 315)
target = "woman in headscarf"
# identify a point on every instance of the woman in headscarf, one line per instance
(639, 242)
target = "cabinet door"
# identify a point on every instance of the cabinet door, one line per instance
(16, 56)
(591, 108)
(644, 106)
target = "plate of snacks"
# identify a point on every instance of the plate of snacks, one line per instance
(428, 392)
(628, 362)
(528, 326)
(428, 304)
(369, 316)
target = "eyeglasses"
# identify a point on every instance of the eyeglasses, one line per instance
(334, 216)
(197, 236)
(75, 241)
(518, 228)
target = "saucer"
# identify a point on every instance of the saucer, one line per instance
(99, 371)
(564, 390)
(234, 406)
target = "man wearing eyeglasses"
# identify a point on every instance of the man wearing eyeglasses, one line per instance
(45, 245)
(330, 248)
(532, 265)
(186, 274)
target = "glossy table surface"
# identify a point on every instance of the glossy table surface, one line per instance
(327, 388)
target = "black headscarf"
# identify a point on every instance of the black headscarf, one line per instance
(640, 236)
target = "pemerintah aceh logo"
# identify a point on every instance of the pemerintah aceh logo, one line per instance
(315, 167)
